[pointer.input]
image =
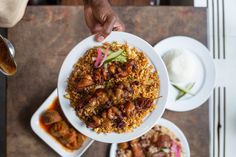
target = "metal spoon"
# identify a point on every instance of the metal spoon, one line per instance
(10, 46)
(7, 64)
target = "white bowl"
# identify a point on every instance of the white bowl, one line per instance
(67, 68)
(168, 124)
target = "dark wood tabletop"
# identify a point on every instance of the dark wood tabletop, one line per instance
(45, 36)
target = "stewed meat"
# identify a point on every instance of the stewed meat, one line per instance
(129, 108)
(158, 142)
(59, 129)
(85, 81)
(69, 137)
(136, 149)
(51, 116)
(55, 123)
(164, 141)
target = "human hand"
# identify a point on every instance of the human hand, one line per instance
(101, 19)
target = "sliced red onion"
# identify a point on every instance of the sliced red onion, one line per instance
(99, 57)
(175, 148)
(104, 58)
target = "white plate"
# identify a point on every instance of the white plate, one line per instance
(67, 68)
(166, 123)
(56, 146)
(205, 74)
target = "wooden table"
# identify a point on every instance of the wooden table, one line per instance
(45, 36)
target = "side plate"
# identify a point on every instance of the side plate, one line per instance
(169, 125)
(57, 147)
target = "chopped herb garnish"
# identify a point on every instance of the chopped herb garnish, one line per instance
(183, 91)
(110, 56)
(114, 55)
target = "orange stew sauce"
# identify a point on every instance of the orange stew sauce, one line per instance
(55, 106)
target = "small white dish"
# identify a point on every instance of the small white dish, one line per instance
(166, 123)
(67, 68)
(204, 78)
(55, 145)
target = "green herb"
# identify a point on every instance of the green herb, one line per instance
(113, 55)
(182, 91)
(108, 84)
(121, 58)
(105, 67)
(166, 150)
(109, 51)
(118, 56)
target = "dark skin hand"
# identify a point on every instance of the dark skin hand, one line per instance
(101, 19)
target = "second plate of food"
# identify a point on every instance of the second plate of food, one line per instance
(113, 91)
(165, 139)
(191, 71)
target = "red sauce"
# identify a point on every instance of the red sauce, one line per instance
(55, 106)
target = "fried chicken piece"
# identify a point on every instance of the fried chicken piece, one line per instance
(85, 81)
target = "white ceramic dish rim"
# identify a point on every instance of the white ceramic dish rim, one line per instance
(208, 65)
(51, 142)
(77, 52)
(170, 125)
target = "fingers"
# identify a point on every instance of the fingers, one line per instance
(119, 26)
(112, 24)
(91, 21)
(107, 27)
(102, 20)
(96, 29)
(88, 15)
(99, 37)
